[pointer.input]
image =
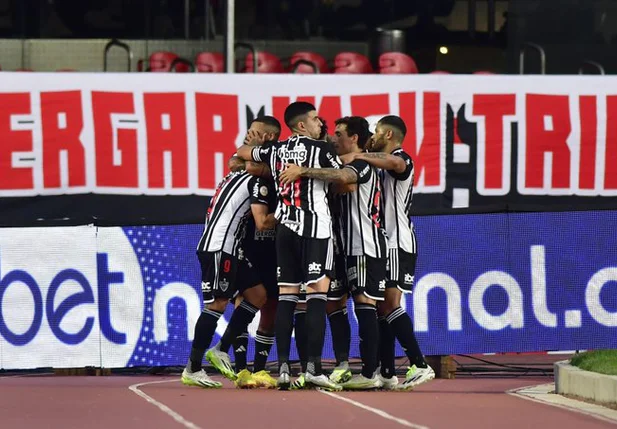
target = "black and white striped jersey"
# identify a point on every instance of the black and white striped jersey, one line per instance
(227, 213)
(302, 205)
(397, 189)
(363, 234)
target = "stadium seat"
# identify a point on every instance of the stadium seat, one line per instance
(266, 63)
(397, 63)
(352, 62)
(161, 62)
(210, 62)
(319, 61)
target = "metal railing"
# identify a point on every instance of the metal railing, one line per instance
(594, 64)
(126, 48)
(539, 50)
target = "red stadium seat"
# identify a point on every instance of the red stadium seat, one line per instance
(319, 61)
(210, 62)
(266, 63)
(161, 62)
(352, 62)
(397, 63)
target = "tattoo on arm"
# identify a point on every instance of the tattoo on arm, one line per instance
(374, 155)
(345, 175)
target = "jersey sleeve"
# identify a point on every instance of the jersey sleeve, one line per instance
(408, 166)
(262, 153)
(259, 191)
(329, 159)
(362, 169)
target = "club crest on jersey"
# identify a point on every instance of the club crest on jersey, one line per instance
(297, 154)
(223, 285)
(408, 279)
(263, 191)
(314, 268)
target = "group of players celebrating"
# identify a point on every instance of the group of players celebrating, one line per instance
(298, 227)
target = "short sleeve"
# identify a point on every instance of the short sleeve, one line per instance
(362, 169)
(260, 193)
(329, 159)
(262, 153)
(408, 166)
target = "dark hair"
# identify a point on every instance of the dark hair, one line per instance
(295, 110)
(270, 121)
(395, 122)
(356, 125)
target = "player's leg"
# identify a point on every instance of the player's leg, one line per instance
(265, 336)
(240, 344)
(336, 308)
(288, 254)
(401, 325)
(341, 335)
(300, 334)
(318, 259)
(205, 327)
(254, 297)
(367, 284)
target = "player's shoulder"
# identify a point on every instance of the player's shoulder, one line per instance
(309, 141)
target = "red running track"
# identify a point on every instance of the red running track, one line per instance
(109, 402)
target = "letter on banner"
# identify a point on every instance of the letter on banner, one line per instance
(453, 299)
(513, 316)
(538, 283)
(161, 299)
(592, 297)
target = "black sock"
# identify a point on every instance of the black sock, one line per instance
(240, 319)
(386, 348)
(341, 334)
(368, 330)
(263, 344)
(240, 346)
(401, 325)
(283, 326)
(316, 319)
(204, 331)
(301, 337)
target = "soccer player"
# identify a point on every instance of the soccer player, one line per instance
(258, 245)
(397, 184)
(225, 272)
(303, 237)
(364, 241)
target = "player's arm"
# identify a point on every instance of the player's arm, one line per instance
(294, 172)
(236, 163)
(384, 161)
(263, 219)
(257, 169)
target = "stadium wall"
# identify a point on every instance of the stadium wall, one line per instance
(105, 179)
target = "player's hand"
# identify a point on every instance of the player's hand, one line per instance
(291, 173)
(253, 138)
(348, 157)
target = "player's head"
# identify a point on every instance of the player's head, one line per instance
(301, 118)
(389, 129)
(267, 126)
(350, 131)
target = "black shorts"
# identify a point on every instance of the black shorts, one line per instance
(367, 275)
(339, 286)
(401, 270)
(224, 276)
(302, 259)
(263, 259)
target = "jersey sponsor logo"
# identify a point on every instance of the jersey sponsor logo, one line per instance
(335, 285)
(408, 280)
(314, 268)
(278, 272)
(297, 154)
(352, 273)
(206, 287)
(382, 285)
(240, 254)
(267, 234)
(263, 191)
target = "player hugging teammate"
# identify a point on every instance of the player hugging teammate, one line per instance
(328, 195)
